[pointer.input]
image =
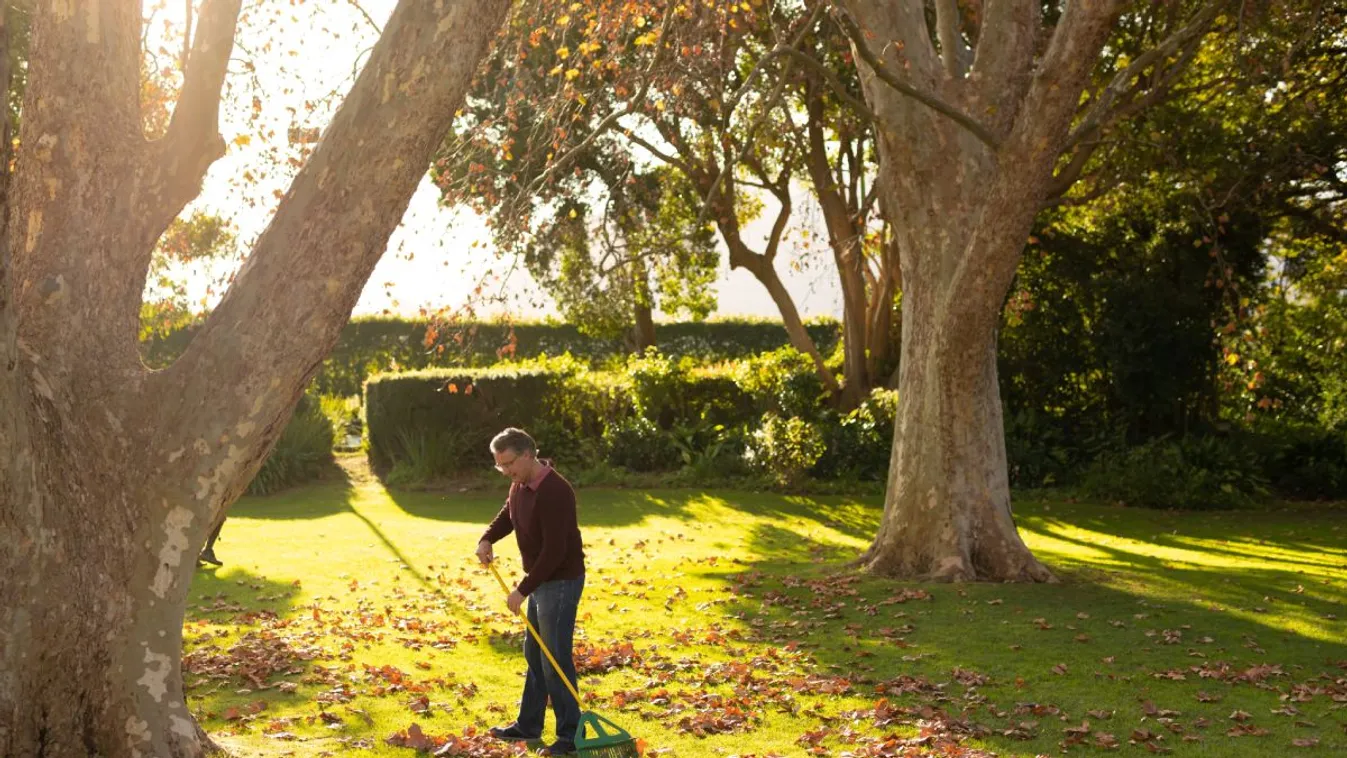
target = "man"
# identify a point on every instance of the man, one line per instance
(540, 510)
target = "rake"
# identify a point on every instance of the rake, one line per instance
(608, 740)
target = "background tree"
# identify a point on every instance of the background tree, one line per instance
(1173, 290)
(110, 474)
(703, 96)
(610, 263)
(985, 113)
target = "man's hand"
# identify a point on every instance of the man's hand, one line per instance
(515, 601)
(484, 552)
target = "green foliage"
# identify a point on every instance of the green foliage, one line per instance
(427, 454)
(1302, 461)
(639, 444)
(369, 346)
(786, 448)
(783, 380)
(858, 444)
(1188, 473)
(656, 382)
(443, 419)
(604, 265)
(345, 415)
(1189, 294)
(303, 452)
(166, 309)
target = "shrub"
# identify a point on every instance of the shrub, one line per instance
(858, 444)
(372, 345)
(784, 381)
(656, 384)
(1303, 461)
(346, 418)
(785, 448)
(455, 413)
(638, 444)
(709, 450)
(302, 453)
(1194, 473)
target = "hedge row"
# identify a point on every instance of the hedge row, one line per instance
(372, 345)
(655, 414)
(767, 417)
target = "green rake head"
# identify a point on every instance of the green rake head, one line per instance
(598, 737)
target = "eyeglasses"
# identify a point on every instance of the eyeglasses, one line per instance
(505, 467)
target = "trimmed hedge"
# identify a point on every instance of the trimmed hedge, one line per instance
(442, 420)
(372, 345)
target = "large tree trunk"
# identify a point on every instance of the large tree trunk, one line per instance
(113, 474)
(947, 514)
(961, 200)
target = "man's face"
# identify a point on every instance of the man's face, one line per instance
(514, 465)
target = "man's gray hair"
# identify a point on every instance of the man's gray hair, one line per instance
(516, 440)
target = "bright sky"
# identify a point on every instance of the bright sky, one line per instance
(438, 256)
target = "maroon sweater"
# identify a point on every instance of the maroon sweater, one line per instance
(544, 524)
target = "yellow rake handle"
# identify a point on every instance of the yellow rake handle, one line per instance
(564, 679)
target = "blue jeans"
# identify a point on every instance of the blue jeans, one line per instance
(551, 610)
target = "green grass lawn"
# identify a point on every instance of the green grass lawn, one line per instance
(726, 623)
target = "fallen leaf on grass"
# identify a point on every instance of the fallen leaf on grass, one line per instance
(1245, 730)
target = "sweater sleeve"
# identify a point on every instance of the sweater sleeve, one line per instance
(500, 526)
(557, 521)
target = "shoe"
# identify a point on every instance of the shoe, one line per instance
(512, 733)
(557, 748)
(208, 556)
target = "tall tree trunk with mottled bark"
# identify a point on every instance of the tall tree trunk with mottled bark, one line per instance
(969, 137)
(111, 474)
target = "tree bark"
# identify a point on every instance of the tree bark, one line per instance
(113, 474)
(644, 331)
(845, 239)
(762, 269)
(961, 204)
(880, 314)
(762, 266)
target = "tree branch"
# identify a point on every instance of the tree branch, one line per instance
(193, 139)
(7, 318)
(285, 309)
(752, 131)
(778, 228)
(608, 121)
(947, 22)
(1191, 34)
(827, 75)
(761, 64)
(356, 4)
(1067, 176)
(186, 35)
(1003, 63)
(669, 159)
(928, 99)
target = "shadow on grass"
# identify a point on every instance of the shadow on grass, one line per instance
(1126, 628)
(336, 496)
(220, 592)
(327, 497)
